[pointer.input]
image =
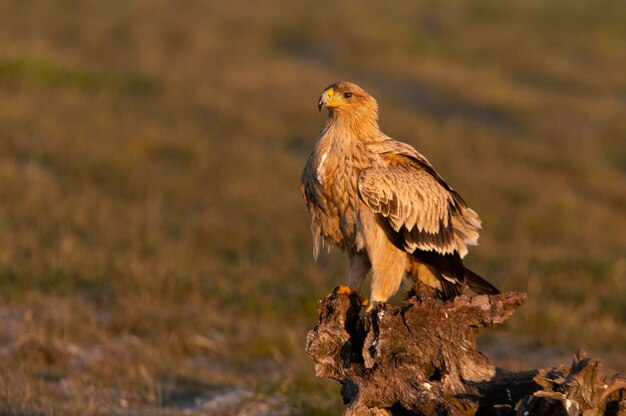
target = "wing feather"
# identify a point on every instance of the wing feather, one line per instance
(463, 220)
(413, 204)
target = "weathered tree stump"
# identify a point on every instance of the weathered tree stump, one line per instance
(421, 359)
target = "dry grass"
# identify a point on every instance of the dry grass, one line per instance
(154, 248)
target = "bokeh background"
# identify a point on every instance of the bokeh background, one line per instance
(155, 253)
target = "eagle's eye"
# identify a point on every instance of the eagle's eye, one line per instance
(347, 94)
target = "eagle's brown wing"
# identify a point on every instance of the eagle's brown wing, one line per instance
(417, 210)
(413, 204)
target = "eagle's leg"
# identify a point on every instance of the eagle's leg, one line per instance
(359, 268)
(425, 273)
(389, 266)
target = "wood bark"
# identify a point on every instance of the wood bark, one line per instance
(421, 358)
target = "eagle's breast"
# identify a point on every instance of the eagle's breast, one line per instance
(337, 169)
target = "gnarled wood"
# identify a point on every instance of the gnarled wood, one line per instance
(421, 359)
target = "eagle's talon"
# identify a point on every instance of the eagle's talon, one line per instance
(346, 290)
(372, 305)
(343, 290)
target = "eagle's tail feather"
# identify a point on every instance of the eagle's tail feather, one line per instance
(478, 284)
(449, 290)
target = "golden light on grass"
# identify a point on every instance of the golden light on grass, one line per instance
(150, 213)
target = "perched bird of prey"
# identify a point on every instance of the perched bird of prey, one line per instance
(380, 201)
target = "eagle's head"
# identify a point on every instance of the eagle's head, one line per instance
(347, 97)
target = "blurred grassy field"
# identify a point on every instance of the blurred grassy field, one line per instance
(155, 253)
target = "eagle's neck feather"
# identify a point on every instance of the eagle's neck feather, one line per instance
(358, 124)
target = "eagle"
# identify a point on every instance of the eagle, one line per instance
(380, 201)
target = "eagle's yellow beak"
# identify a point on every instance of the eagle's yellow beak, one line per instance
(329, 100)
